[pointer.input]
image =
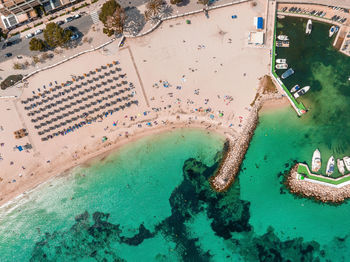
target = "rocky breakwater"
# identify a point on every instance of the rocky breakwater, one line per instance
(236, 148)
(312, 189)
(235, 151)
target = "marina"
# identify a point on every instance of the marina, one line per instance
(339, 18)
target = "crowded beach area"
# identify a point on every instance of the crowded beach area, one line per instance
(180, 75)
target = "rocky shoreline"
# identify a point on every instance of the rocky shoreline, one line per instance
(237, 147)
(316, 191)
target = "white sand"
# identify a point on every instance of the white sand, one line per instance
(169, 54)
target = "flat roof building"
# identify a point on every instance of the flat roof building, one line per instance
(256, 38)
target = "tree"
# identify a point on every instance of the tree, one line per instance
(2, 34)
(203, 2)
(108, 9)
(54, 35)
(36, 44)
(113, 17)
(175, 2)
(154, 7)
(116, 21)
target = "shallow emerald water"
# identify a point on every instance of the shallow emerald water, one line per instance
(151, 200)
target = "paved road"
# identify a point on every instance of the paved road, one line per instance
(340, 3)
(22, 48)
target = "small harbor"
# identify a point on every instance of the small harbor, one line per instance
(333, 15)
(303, 182)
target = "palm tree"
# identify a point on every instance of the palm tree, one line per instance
(154, 8)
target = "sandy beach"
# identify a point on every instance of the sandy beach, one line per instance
(178, 76)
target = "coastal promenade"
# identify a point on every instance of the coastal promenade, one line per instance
(298, 107)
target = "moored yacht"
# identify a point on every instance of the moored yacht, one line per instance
(295, 88)
(282, 37)
(341, 166)
(333, 30)
(281, 60)
(302, 91)
(282, 66)
(347, 162)
(289, 72)
(308, 27)
(316, 161)
(330, 166)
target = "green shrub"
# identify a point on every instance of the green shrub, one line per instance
(10, 81)
(36, 44)
(26, 29)
(54, 35)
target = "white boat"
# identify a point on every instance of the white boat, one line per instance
(316, 161)
(330, 166)
(282, 37)
(301, 91)
(287, 73)
(282, 66)
(308, 27)
(295, 88)
(341, 166)
(333, 30)
(347, 162)
(281, 60)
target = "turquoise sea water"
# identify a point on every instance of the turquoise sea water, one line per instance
(151, 200)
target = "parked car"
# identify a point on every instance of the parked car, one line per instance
(39, 31)
(71, 28)
(69, 19)
(30, 35)
(60, 22)
(77, 16)
(8, 54)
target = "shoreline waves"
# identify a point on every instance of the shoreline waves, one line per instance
(177, 120)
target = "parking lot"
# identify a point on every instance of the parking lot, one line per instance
(333, 13)
(20, 46)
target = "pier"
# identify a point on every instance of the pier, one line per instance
(298, 107)
(305, 174)
(237, 147)
(302, 182)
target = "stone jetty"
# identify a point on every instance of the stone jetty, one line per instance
(314, 190)
(236, 148)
